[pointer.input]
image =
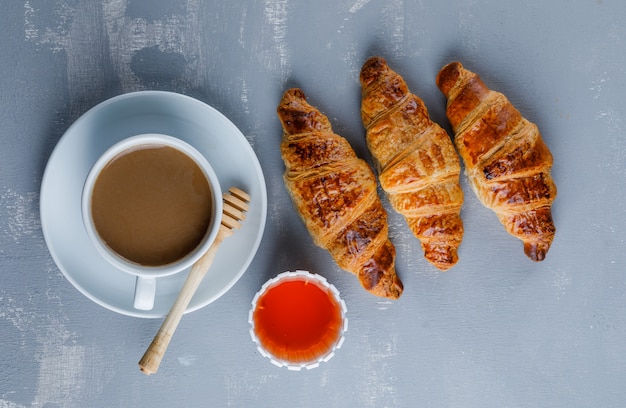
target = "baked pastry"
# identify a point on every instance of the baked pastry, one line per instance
(506, 161)
(417, 165)
(335, 194)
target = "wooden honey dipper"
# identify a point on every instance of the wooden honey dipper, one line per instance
(236, 203)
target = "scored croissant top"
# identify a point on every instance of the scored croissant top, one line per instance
(507, 162)
(335, 194)
(418, 167)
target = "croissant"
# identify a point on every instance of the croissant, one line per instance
(506, 161)
(335, 194)
(417, 164)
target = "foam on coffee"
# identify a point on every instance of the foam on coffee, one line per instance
(152, 205)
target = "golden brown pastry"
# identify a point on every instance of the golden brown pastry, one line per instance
(506, 160)
(335, 194)
(417, 164)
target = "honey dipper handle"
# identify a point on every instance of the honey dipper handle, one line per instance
(149, 363)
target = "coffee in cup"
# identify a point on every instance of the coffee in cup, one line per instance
(152, 207)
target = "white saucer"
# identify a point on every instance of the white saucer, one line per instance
(168, 113)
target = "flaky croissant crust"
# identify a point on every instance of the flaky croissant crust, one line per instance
(334, 193)
(417, 164)
(507, 162)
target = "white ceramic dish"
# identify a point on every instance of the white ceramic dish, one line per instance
(198, 124)
(302, 276)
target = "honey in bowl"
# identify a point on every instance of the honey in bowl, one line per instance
(298, 320)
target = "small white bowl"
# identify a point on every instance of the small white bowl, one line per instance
(323, 355)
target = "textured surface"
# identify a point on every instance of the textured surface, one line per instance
(497, 330)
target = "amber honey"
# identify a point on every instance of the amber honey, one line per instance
(298, 319)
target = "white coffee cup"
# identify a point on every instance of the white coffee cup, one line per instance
(146, 275)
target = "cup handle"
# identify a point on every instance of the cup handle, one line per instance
(145, 291)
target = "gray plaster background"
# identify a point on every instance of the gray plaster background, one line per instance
(495, 331)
